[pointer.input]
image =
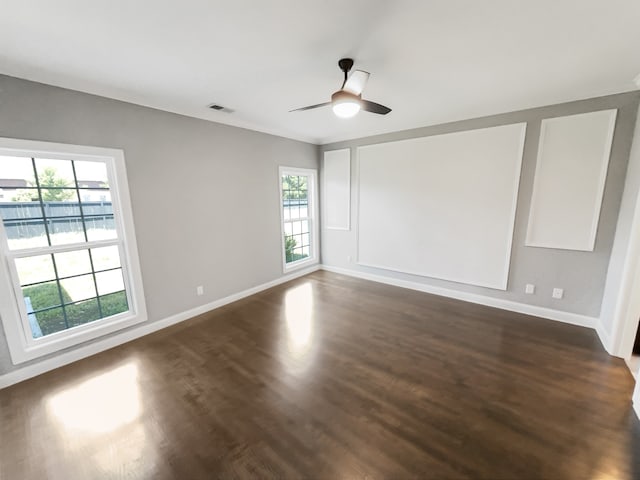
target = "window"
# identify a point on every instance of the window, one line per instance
(298, 201)
(70, 268)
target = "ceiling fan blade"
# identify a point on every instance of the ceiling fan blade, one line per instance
(356, 82)
(311, 107)
(374, 107)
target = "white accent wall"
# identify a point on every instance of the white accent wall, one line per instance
(580, 273)
(424, 204)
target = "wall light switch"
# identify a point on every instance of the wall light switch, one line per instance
(199, 290)
(557, 293)
(530, 288)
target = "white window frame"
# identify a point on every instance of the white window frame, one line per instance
(22, 345)
(312, 207)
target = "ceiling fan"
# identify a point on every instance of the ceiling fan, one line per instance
(348, 101)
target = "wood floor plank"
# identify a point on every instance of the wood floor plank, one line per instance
(332, 377)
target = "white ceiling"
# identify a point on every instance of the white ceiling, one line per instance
(431, 61)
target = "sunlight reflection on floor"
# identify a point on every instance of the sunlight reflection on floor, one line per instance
(300, 328)
(102, 404)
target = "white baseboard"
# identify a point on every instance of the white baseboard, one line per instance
(605, 339)
(636, 399)
(29, 371)
(548, 313)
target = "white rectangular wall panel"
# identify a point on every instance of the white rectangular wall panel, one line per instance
(571, 170)
(442, 206)
(336, 193)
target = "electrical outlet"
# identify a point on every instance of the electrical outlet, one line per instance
(530, 288)
(199, 290)
(557, 293)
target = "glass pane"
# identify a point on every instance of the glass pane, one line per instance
(43, 295)
(110, 281)
(47, 322)
(72, 263)
(289, 245)
(304, 225)
(288, 228)
(114, 303)
(25, 234)
(63, 231)
(91, 174)
(304, 211)
(82, 312)
(305, 239)
(101, 228)
(294, 212)
(305, 251)
(54, 173)
(20, 203)
(79, 288)
(96, 202)
(105, 258)
(16, 172)
(297, 227)
(35, 269)
(60, 202)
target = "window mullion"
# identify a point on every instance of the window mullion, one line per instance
(64, 310)
(44, 215)
(95, 281)
(75, 181)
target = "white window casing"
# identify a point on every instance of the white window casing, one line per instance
(311, 217)
(22, 344)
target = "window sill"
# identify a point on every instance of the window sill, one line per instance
(69, 338)
(290, 267)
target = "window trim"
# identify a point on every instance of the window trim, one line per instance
(22, 347)
(312, 198)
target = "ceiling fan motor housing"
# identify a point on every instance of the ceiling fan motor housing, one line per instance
(342, 96)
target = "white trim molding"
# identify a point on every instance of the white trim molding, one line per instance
(636, 399)
(336, 190)
(555, 164)
(29, 371)
(548, 313)
(621, 299)
(605, 338)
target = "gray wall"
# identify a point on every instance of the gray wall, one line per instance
(581, 274)
(207, 166)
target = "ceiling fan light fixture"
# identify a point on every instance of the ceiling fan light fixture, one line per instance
(348, 101)
(345, 104)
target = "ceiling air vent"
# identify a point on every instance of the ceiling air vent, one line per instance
(220, 108)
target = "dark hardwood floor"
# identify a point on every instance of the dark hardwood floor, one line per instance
(333, 377)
